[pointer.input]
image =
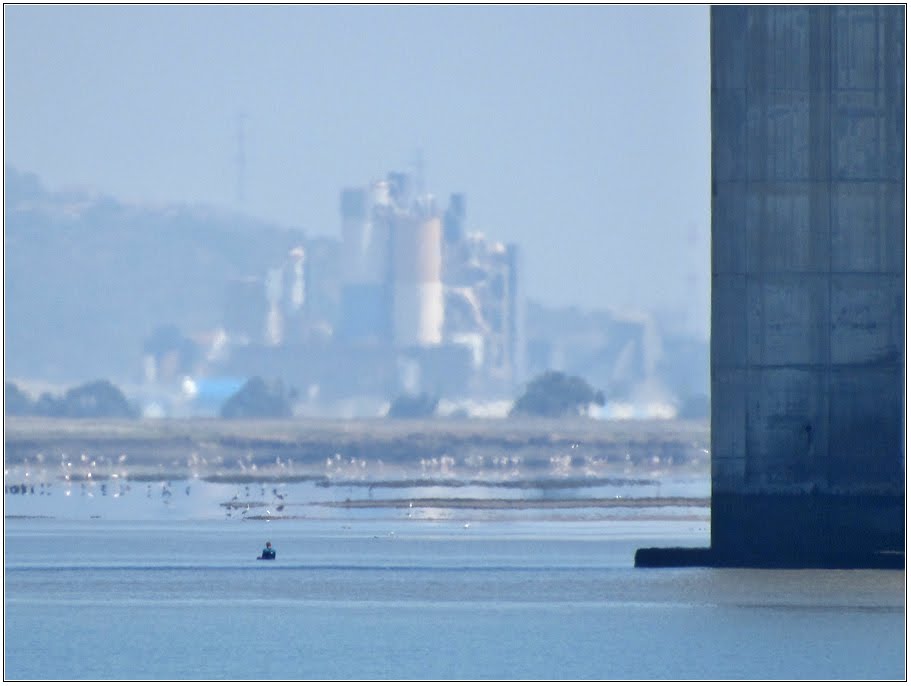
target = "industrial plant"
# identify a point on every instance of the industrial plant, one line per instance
(408, 300)
(405, 301)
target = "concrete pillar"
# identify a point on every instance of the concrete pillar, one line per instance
(807, 343)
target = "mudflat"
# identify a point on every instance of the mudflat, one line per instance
(305, 447)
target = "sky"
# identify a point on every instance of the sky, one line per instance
(581, 133)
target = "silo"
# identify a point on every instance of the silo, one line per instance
(417, 286)
(365, 251)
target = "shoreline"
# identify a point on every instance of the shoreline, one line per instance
(300, 449)
(518, 504)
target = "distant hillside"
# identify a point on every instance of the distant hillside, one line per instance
(87, 278)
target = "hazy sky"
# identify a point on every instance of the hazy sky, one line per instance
(580, 133)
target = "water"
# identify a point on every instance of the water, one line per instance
(385, 597)
(195, 498)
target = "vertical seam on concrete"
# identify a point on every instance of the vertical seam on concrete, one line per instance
(877, 63)
(829, 31)
(747, 267)
(748, 186)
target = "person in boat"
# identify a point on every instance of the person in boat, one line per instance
(268, 552)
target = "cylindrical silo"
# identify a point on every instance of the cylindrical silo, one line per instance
(417, 286)
(365, 252)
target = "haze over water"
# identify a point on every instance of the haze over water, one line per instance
(153, 586)
(580, 133)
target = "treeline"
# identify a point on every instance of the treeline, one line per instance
(256, 398)
(552, 394)
(93, 399)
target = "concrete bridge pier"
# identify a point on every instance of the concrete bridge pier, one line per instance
(808, 258)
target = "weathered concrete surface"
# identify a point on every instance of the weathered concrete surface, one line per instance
(807, 348)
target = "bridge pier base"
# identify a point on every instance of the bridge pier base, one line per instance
(808, 299)
(791, 531)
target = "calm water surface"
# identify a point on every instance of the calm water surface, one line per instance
(388, 598)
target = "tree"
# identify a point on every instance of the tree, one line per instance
(49, 405)
(16, 401)
(413, 406)
(256, 398)
(96, 399)
(554, 394)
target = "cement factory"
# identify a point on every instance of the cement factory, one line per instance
(407, 301)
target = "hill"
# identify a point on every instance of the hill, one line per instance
(87, 278)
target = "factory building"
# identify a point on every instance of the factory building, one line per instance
(485, 300)
(390, 262)
(515, 314)
(406, 301)
(246, 310)
(365, 268)
(454, 219)
(322, 288)
(414, 278)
